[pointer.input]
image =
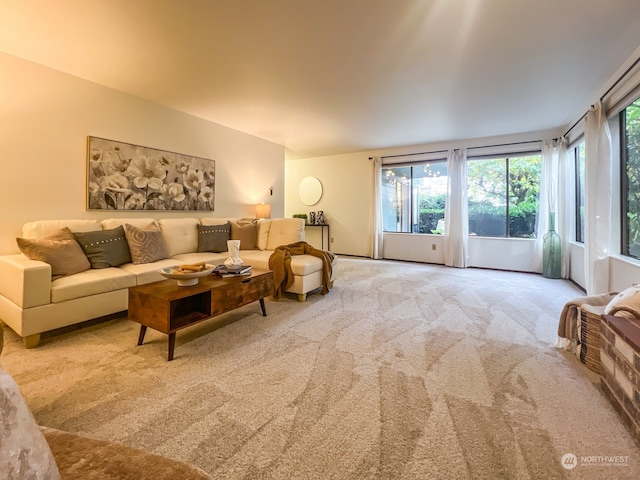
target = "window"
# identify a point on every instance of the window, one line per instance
(579, 165)
(413, 197)
(503, 196)
(630, 181)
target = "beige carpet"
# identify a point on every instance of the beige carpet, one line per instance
(403, 371)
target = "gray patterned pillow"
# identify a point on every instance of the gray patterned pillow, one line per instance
(105, 248)
(146, 245)
(213, 238)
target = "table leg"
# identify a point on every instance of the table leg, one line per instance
(172, 346)
(143, 330)
(264, 310)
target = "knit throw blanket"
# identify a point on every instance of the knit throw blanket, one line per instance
(280, 263)
(568, 324)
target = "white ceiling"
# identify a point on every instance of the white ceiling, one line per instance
(334, 76)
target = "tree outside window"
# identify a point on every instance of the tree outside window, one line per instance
(503, 196)
(630, 125)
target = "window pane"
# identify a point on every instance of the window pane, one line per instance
(580, 193)
(631, 180)
(524, 187)
(430, 192)
(487, 197)
(413, 198)
(396, 199)
(503, 196)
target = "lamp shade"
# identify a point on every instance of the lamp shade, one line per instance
(263, 210)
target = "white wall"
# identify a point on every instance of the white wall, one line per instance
(46, 117)
(346, 198)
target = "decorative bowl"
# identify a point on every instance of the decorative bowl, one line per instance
(186, 279)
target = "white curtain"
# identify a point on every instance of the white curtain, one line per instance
(377, 234)
(456, 220)
(566, 203)
(547, 196)
(597, 200)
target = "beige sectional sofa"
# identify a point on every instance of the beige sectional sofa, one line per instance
(32, 302)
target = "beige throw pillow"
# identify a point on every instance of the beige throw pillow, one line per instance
(60, 250)
(246, 233)
(146, 245)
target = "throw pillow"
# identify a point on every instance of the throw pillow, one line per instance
(146, 245)
(625, 304)
(264, 225)
(105, 248)
(247, 234)
(25, 452)
(213, 238)
(60, 250)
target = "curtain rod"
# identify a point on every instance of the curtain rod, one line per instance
(504, 144)
(412, 154)
(604, 95)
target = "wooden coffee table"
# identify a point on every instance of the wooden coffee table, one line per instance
(167, 308)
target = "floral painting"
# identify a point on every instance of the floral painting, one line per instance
(130, 177)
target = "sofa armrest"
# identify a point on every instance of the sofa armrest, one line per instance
(25, 282)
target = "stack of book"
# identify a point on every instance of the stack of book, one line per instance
(226, 272)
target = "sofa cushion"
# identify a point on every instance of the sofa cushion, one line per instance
(91, 282)
(213, 238)
(150, 272)
(284, 231)
(264, 225)
(180, 234)
(146, 245)
(60, 250)
(25, 452)
(105, 248)
(109, 223)
(247, 234)
(211, 258)
(45, 228)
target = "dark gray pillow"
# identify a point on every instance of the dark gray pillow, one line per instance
(213, 238)
(105, 248)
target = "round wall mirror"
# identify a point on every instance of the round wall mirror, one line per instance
(310, 190)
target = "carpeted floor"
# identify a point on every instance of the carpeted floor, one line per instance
(403, 371)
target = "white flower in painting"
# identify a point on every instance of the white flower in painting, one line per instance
(115, 183)
(206, 195)
(135, 202)
(93, 188)
(166, 161)
(147, 172)
(182, 167)
(210, 173)
(172, 191)
(194, 180)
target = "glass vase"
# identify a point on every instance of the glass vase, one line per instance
(552, 251)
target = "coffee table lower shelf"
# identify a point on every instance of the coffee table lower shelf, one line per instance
(166, 307)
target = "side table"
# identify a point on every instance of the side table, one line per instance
(322, 226)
